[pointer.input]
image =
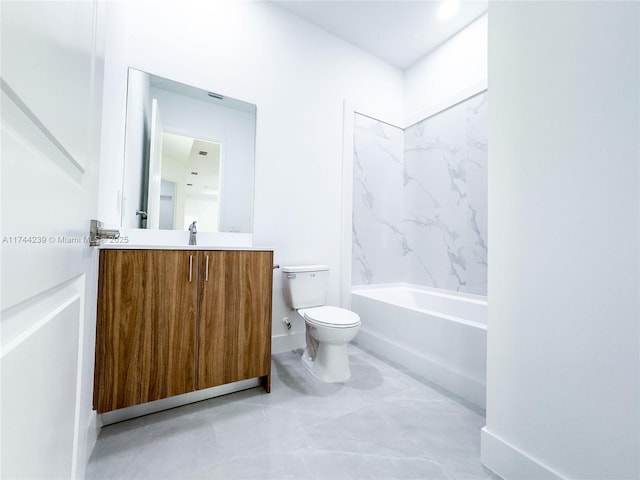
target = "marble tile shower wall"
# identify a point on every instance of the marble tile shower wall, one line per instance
(379, 241)
(420, 216)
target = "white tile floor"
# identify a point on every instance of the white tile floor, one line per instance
(382, 423)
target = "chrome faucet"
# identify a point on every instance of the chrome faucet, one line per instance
(192, 233)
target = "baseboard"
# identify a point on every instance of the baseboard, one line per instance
(134, 411)
(424, 367)
(509, 462)
(287, 342)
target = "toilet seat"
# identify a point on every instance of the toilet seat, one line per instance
(328, 316)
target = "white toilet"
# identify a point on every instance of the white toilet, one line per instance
(329, 329)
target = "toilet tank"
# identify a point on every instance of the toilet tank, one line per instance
(305, 286)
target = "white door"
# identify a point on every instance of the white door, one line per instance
(155, 168)
(51, 107)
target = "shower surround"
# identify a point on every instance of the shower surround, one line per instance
(420, 200)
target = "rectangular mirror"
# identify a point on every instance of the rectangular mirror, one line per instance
(189, 156)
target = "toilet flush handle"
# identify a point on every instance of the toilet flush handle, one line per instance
(291, 275)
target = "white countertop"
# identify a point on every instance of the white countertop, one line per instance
(128, 246)
(141, 239)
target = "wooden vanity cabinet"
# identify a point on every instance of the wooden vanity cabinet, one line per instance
(145, 327)
(234, 321)
(173, 321)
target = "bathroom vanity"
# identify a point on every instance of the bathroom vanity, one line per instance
(174, 321)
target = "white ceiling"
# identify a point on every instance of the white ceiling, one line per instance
(182, 154)
(399, 32)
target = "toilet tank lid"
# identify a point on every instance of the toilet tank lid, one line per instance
(304, 268)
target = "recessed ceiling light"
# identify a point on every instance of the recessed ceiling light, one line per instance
(202, 152)
(189, 184)
(447, 9)
(194, 173)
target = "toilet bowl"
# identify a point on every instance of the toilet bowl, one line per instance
(328, 329)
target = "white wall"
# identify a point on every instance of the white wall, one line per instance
(452, 72)
(112, 146)
(563, 367)
(297, 75)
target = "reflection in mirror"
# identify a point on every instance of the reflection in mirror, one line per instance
(189, 156)
(190, 183)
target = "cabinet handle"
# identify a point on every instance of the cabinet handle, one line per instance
(206, 270)
(190, 266)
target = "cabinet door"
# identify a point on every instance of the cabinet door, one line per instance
(234, 326)
(145, 334)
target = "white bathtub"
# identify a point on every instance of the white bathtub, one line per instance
(438, 335)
